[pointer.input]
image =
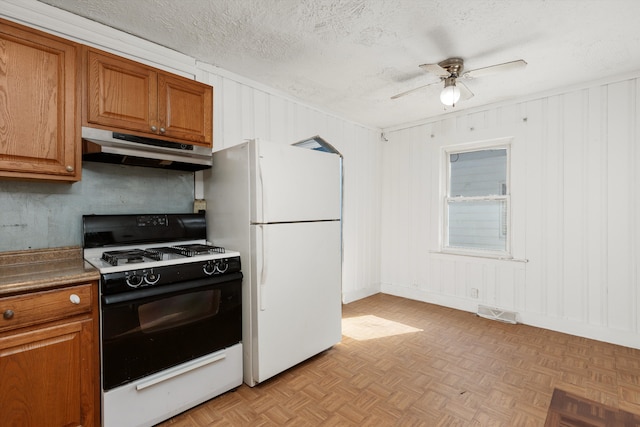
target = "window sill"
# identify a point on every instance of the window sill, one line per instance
(496, 257)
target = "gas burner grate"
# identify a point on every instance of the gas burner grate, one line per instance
(198, 249)
(159, 252)
(132, 256)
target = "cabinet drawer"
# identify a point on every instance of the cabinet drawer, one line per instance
(39, 307)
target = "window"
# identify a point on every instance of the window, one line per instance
(477, 200)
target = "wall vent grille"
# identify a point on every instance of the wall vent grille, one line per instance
(499, 314)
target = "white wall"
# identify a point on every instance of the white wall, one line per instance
(245, 109)
(575, 212)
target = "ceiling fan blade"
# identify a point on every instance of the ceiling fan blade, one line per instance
(465, 93)
(507, 66)
(435, 69)
(414, 90)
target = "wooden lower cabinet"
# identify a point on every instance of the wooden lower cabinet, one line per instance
(49, 371)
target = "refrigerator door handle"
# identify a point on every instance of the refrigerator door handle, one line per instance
(263, 269)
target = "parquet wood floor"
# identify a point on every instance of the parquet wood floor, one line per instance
(408, 363)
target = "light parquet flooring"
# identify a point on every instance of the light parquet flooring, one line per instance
(436, 367)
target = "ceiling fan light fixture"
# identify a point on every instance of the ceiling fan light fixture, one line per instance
(451, 93)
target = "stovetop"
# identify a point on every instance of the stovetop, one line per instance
(134, 252)
(152, 255)
(162, 253)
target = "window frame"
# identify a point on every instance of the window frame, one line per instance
(446, 199)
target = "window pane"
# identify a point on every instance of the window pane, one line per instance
(478, 173)
(478, 224)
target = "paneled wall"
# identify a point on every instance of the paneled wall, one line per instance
(575, 212)
(242, 109)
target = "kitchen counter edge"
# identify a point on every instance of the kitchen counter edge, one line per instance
(43, 269)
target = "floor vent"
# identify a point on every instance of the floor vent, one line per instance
(497, 314)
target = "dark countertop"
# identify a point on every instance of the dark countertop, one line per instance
(42, 269)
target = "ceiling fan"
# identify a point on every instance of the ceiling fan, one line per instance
(451, 70)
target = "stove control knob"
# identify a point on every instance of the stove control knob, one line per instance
(209, 268)
(151, 278)
(134, 280)
(222, 266)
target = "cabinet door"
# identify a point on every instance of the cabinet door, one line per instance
(120, 94)
(40, 137)
(46, 377)
(185, 109)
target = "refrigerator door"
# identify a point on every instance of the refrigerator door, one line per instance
(297, 277)
(294, 184)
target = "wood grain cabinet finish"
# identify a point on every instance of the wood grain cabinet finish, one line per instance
(39, 117)
(128, 96)
(49, 366)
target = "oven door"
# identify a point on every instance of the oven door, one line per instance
(148, 330)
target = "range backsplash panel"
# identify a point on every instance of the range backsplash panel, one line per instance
(36, 215)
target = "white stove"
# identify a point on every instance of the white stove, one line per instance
(170, 315)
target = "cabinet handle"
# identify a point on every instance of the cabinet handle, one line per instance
(162, 130)
(153, 128)
(75, 299)
(69, 168)
(8, 314)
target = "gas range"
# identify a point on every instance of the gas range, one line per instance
(138, 251)
(170, 314)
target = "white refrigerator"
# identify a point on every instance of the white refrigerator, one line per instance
(280, 207)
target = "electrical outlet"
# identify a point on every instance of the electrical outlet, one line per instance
(199, 205)
(474, 292)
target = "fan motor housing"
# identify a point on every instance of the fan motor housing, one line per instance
(454, 66)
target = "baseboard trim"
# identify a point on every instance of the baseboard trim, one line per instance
(568, 326)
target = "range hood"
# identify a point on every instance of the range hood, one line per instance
(106, 146)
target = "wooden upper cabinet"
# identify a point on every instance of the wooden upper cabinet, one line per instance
(120, 94)
(134, 98)
(185, 109)
(39, 117)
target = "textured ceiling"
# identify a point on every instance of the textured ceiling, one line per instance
(350, 56)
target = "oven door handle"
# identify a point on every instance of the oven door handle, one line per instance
(172, 373)
(154, 291)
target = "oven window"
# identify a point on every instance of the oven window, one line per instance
(178, 310)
